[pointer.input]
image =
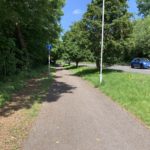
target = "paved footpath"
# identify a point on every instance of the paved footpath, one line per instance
(77, 116)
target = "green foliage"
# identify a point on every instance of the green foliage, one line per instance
(144, 7)
(141, 37)
(82, 42)
(25, 28)
(117, 29)
(57, 50)
(75, 44)
(17, 82)
(7, 56)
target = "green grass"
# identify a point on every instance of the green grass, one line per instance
(14, 83)
(130, 90)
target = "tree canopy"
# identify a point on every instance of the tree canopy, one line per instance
(144, 7)
(75, 44)
(118, 28)
(25, 28)
(141, 36)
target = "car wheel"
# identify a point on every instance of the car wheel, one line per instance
(132, 66)
(141, 66)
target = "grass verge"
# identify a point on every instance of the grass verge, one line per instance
(14, 83)
(130, 90)
(18, 115)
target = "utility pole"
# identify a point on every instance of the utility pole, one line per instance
(49, 47)
(49, 62)
(102, 43)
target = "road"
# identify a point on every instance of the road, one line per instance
(122, 68)
(76, 116)
(129, 69)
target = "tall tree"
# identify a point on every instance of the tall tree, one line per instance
(75, 44)
(56, 53)
(117, 28)
(141, 36)
(144, 7)
(25, 28)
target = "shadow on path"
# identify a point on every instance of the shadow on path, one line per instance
(57, 89)
(34, 92)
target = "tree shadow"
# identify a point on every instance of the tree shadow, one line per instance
(86, 72)
(107, 71)
(33, 93)
(90, 71)
(74, 67)
(57, 89)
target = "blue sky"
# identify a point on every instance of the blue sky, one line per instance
(74, 9)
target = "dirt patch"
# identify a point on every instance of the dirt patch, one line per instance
(17, 116)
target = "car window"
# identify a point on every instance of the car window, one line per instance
(137, 60)
(145, 59)
(134, 60)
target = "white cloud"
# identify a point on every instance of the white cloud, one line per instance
(77, 12)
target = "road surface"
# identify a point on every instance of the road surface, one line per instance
(120, 67)
(76, 116)
(129, 69)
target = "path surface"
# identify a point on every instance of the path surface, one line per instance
(78, 117)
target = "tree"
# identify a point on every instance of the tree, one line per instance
(141, 36)
(144, 7)
(117, 28)
(56, 52)
(25, 28)
(75, 44)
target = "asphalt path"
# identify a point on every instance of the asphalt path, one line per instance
(76, 116)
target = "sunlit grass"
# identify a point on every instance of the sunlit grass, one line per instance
(130, 90)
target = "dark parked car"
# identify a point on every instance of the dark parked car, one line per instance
(142, 63)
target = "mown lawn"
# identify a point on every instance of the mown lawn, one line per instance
(130, 90)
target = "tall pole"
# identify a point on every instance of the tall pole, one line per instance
(102, 43)
(49, 62)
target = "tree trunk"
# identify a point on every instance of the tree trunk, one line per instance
(20, 37)
(5, 69)
(77, 64)
(22, 45)
(98, 64)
